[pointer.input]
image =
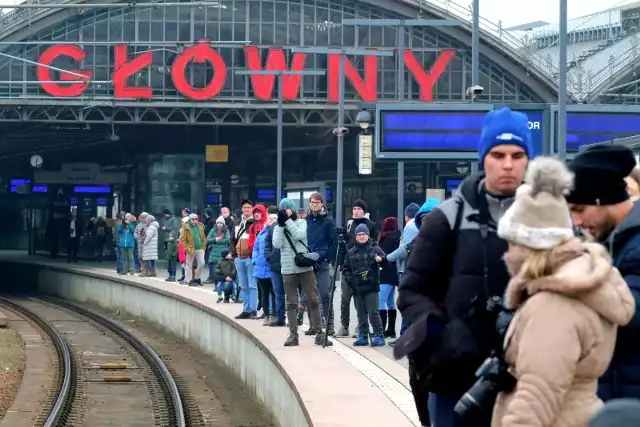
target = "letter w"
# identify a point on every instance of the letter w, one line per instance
(263, 84)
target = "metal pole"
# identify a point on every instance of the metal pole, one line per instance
(279, 146)
(340, 163)
(400, 99)
(562, 86)
(475, 44)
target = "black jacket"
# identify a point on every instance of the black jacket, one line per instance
(388, 244)
(442, 294)
(374, 230)
(272, 254)
(360, 270)
(623, 377)
(321, 235)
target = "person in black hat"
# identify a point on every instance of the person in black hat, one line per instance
(600, 204)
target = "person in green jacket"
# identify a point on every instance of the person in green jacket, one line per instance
(171, 255)
(217, 241)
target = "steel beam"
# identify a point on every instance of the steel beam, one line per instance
(337, 51)
(562, 82)
(404, 22)
(132, 5)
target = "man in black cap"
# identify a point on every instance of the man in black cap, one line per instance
(600, 204)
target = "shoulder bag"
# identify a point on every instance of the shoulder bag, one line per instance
(308, 259)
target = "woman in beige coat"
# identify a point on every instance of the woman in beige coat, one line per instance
(569, 301)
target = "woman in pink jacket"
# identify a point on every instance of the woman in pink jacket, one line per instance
(569, 301)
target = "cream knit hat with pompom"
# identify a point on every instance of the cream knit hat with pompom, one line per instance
(539, 217)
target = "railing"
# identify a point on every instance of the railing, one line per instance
(16, 18)
(621, 60)
(516, 46)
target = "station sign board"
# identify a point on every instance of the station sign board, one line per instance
(127, 65)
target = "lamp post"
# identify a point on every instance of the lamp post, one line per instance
(280, 124)
(475, 44)
(562, 83)
(400, 25)
(340, 131)
(35, 162)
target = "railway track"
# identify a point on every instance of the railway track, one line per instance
(105, 374)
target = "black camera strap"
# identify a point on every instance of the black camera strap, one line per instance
(483, 219)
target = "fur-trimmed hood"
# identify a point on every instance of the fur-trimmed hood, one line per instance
(583, 271)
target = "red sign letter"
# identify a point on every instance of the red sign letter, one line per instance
(427, 81)
(366, 87)
(44, 73)
(123, 69)
(199, 53)
(263, 84)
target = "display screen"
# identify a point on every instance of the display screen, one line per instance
(36, 188)
(421, 131)
(590, 128)
(92, 189)
(453, 184)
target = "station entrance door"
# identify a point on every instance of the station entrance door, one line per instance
(300, 192)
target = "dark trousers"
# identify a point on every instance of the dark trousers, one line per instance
(268, 296)
(345, 303)
(369, 313)
(442, 413)
(72, 249)
(171, 267)
(308, 282)
(54, 247)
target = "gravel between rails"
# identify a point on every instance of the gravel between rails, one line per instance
(12, 364)
(222, 399)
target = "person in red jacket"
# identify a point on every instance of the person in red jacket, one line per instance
(260, 219)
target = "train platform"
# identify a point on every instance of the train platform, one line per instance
(341, 385)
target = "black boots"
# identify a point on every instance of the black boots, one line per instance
(383, 317)
(390, 331)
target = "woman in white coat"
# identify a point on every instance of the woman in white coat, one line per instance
(150, 247)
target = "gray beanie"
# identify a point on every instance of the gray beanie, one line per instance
(411, 210)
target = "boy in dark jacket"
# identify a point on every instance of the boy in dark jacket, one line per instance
(225, 275)
(171, 255)
(362, 274)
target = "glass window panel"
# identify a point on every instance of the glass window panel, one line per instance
(280, 37)
(170, 13)
(145, 14)
(281, 11)
(240, 11)
(128, 30)
(184, 33)
(267, 34)
(213, 31)
(144, 29)
(158, 31)
(88, 31)
(239, 31)
(199, 31)
(184, 14)
(267, 11)
(226, 31)
(115, 30)
(294, 34)
(254, 11)
(226, 10)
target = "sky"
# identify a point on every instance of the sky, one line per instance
(512, 12)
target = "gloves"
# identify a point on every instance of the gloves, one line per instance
(282, 217)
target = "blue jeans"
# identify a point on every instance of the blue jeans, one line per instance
(442, 414)
(387, 297)
(212, 270)
(278, 290)
(149, 266)
(171, 267)
(119, 266)
(136, 259)
(248, 284)
(225, 288)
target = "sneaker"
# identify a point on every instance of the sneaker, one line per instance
(275, 322)
(392, 343)
(193, 283)
(266, 321)
(312, 331)
(320, 340)
(343, 332)
(198, 282)
(331, 331)
(220, 299)
(262, 316)
(377, 341)
(170, 279)
(253, 315)
(226, 300)
(122, 273)
(209, 281)
(292, 340)
(361, 341)
(243, 315)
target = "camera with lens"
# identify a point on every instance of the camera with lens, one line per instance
(493, 375)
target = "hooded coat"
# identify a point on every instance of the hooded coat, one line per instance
(150, 242)
(562, 337)
(257, 226)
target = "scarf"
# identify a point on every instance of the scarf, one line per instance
(195, 231)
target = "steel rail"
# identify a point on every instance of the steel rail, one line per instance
(155, 362)
(213, 4)
(57, 414)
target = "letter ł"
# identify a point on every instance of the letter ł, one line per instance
(123, 69)
(43, 72)
(426, 81)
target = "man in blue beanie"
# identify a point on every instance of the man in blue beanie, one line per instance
(455, 268)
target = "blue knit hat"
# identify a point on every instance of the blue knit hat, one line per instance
(504, 127)
(362, 228)
(288, 203)
(428, 206)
